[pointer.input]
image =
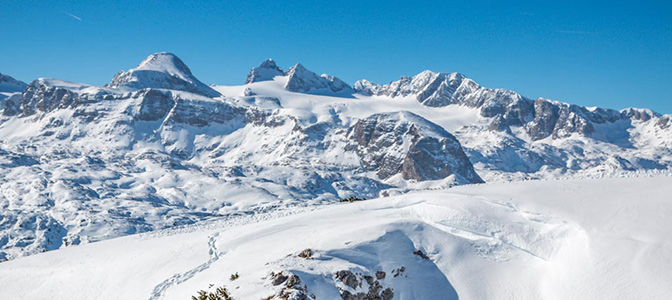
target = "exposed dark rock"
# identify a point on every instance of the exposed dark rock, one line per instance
(570, 122)
(664, 122)
(202, 113)
(374, 291)
(307, 254)
(293, 280)
(292, 289)
(387, 294)
(545, 116)
(398, 271)
(302, 80)
(380, 275)
(639, 114)
(348, 278)
(41, 97)
(431, 153)
(155, 105)
(278, 279)
(12, 105)
(421, 254)
(499, 124)
(266, 71)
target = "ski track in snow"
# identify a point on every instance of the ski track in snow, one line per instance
(160, 289)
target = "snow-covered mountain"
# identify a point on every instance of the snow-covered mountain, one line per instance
(157, 148)
(162, 71)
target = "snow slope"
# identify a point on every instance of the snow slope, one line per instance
(569, 239)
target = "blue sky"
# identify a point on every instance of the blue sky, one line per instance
(611, 54)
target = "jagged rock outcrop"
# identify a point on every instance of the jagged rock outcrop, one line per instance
(407, 144)
(639, 114)
(266, 71)
(202, 113)
(365, 287)
(162, 71)
(45, 95)
(154, 105)
(303, 80)
(545, 117)
(41, 96)
(572, 121)
(499, 124)
(665, 122)
(11, 106)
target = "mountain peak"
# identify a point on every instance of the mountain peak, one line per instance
(164, 62)
(162, 70)
(267, 70)
(303, 80)
(297, 66)
(269, 64)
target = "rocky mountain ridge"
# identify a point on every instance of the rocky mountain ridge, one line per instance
(299, 79)
(541, 118)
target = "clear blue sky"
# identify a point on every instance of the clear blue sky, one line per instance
(611, 54)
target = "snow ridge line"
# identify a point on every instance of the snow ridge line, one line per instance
(160, 289)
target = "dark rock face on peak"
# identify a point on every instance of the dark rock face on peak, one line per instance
(45, 95)
(266, 71)
(639, 114)
(499, 124)
(162, 71)
(302, 80)
(664, 122)
(545, 117)
(407, 144)
(154, 105)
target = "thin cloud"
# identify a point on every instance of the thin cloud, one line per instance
(73, 16)
(577, 32)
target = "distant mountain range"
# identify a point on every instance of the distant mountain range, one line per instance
(156, 147)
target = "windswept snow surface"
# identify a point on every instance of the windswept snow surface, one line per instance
(564, 239)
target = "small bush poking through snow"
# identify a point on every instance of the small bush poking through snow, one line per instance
(219, 294)
(234, 276)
